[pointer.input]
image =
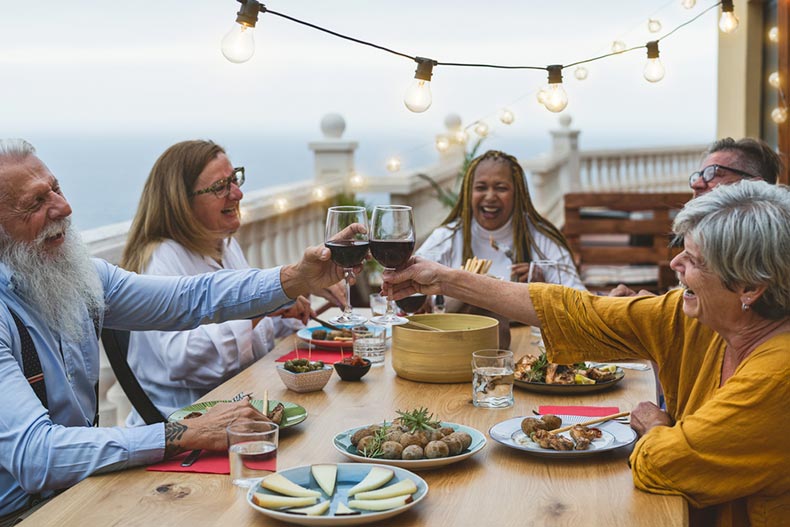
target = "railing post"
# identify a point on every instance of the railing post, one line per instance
(333, 158)
(565, 144)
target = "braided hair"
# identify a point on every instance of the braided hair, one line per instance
(524, 211)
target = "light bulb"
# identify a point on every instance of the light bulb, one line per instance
(618, 46)
(773, 79)
(580, 73)
(418, 96)
(653, 25)
(281, 204)
(238, 44)
(481, 129)
(319, 193)
(654, 70)
(541, 95)
(393, 164)
(728, 21)
(461, 136)
(506, 116)
(779, 115)
(442, 143)
(688, 4)
(556, 98)
(356, 180)
(773, 34)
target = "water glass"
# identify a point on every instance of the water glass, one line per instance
(378, 304)
(370, 342)
(492, 378)
(252, 448)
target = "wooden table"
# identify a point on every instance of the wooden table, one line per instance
(499, 486)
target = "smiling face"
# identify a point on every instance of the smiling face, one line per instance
(725, 158)
(704, 297)
(219, 215)
(32, 207)
(493, 194)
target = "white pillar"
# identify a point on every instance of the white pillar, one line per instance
(565, 144)
(334, 158)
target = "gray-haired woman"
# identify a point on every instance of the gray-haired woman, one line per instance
(721, 342)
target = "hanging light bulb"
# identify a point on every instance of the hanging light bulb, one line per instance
(688, 4)
(393, 164)
(580, 73)
(779, 115)
(728, 22)
(461, 136)
(773, 34)
(555, 99)
(281, 204)
(654, 70)
(773, 79)
(618, 46)
(319, 193)
(442, 143)
(542, 94)
(418, 95)
(238, 44)
(356, 180)
(481, 129)
(653, 25)
(506, 116)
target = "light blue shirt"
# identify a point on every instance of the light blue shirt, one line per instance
(42, 451)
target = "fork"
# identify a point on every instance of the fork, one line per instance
(505, 249)
(195, 454)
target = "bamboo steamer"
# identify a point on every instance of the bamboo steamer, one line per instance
(442, 356)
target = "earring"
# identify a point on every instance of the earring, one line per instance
(745, 306)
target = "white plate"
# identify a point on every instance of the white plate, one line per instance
(348, 475)
(615, 435)
(342, 442)
(306, 335)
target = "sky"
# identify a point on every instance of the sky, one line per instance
(148, 73)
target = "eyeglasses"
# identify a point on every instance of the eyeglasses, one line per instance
(710, 172)
(221, 188)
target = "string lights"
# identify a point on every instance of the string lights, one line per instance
(654, 70)
(728, 22)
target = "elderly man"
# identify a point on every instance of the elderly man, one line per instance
(727, 161)
(54, 299)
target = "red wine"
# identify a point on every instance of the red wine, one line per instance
(348, 253)
(411, 304)
(391, 253)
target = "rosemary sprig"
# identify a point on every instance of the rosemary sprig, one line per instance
(418, 419)
(378, 439)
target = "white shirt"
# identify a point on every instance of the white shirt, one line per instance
(175, 368)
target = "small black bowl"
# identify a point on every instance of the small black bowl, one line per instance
(348, 372)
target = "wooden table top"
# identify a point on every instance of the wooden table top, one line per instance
(497, 486)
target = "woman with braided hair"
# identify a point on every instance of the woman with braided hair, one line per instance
(495, 219)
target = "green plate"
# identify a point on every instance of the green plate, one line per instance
(293, 414)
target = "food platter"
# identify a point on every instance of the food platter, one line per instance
(614, 435)
(305, 334)
(293, 414)
(342, 442)
(348, 475)
(570, 389)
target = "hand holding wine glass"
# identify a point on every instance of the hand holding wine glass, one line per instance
(348, 249)
(391, 244)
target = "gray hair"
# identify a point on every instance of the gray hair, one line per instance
(16, 149)
(755, 156)
(743, 235)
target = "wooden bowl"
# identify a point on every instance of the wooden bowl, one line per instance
(442, 356)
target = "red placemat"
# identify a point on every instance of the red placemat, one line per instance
(587, 411)
(325, 356)
(207, 463)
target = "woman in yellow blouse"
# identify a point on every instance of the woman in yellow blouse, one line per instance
(721, 342)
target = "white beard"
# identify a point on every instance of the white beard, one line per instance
(60, 284)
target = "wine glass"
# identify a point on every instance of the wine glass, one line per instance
(412, 304)
(391, 244)
(348, 249)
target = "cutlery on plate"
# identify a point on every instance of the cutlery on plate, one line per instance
(328, 325)
(195, 454)
(590, 422)
(623, 365)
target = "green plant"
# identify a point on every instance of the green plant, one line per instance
(449, 197)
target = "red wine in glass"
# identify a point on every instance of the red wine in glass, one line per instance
(348, 253)
(391, 253)
(411, 304)
(391, 244)
(348, 247)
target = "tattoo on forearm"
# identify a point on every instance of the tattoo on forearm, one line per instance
(174, 432)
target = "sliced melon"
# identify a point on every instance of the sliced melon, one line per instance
(325, 476)
(279, 483)
(377, 477)
(342, 510)
(404, 486)
(380, 505)
(314, 510)
(272, 501)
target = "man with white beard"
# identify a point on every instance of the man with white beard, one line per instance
(54, 299)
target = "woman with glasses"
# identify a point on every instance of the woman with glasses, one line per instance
(184, 225)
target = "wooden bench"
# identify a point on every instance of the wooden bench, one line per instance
(623, 237)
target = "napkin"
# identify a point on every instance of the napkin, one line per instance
(326, 356)
(586, 411)
(208, 463)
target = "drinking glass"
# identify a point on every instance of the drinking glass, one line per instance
(492, 378)
(370, 342)
(391, 244)
(378, 304)
(348, 249)
(412, 304)
(252, 448)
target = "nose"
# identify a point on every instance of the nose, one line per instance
(60, 207)
(699, 184)
(235, 192)
(675, 264)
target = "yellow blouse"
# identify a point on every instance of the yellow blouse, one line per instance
(727, 453)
